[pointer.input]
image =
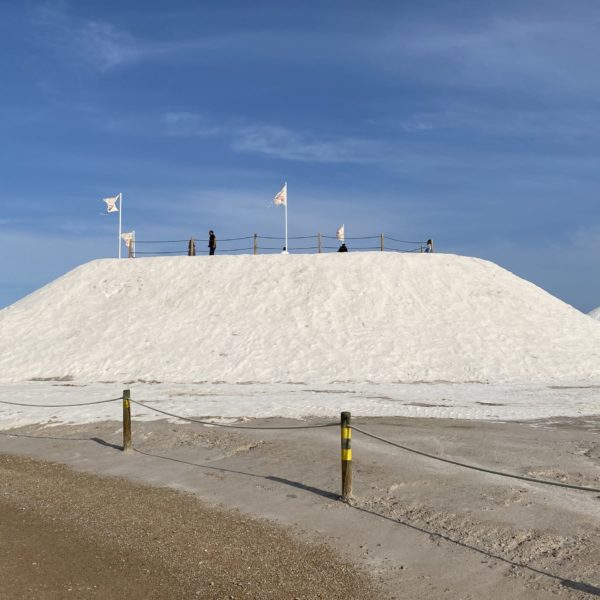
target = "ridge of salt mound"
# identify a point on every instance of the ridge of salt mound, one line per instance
(595, 314)
(360, 317)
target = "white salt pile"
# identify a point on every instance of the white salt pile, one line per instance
(595, 314)
(357, 317)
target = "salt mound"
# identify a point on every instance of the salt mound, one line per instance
(595, 313)
(359, 317)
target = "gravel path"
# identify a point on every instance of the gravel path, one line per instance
(65, 534)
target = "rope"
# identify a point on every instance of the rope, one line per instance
(163, 241)
(403, 241)
(164, 412)
(164, 253)
(366, 237)
(61, 405)
(482, 469)
(232, 249)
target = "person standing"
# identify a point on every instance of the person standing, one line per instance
(212, 242)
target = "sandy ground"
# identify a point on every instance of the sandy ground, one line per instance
(420, 528)
(73, 535)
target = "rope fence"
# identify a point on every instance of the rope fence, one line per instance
(265, 244)
(346, 429)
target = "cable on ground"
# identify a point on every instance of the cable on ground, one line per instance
(61, 405)
(164, 412)
(475, 468)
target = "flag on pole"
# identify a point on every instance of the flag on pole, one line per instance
(339, 234)
(111, 204)
(128, 238)
(281, 196)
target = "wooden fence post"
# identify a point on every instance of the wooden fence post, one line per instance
(319, 241)
(346, 456)
(191, 247)
(255, 244)
(382, 237)
(126, 420)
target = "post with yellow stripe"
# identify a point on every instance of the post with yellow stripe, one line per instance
(346, 456)
(126, 420)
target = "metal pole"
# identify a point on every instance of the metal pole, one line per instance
(286, 227)
(346, 432)
(126, 420)
(120, 219)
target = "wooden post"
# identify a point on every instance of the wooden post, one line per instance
(346, 456)
(382, 237)
(319, 241)
(126, 420)
(255, 244)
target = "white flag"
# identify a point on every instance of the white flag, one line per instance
(281, 197)
(111, 204)
(339, 234)
(128, 238)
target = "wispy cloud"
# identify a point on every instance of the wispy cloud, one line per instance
(502, 122)
(100, 43)
(533, 53)
(283, 143)
(189, 123)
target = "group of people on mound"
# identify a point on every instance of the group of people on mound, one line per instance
(212, 245)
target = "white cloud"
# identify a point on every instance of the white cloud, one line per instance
(100, 43)
(188, 123)
(287, 144)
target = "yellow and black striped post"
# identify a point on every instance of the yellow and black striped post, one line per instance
(346, 456)
(126, 420)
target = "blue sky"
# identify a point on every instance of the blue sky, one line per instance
(474, 123)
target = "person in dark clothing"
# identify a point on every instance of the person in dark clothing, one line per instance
(343, 248)
(212, 242)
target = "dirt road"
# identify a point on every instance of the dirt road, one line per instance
(72, 535)
(421, 528)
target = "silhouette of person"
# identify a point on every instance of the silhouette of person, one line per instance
(343, 248)
(212, 242)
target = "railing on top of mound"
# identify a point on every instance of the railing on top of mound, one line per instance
(260, 244)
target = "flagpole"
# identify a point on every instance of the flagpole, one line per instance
(120, 220)
(286, 229)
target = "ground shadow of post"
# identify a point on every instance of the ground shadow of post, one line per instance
(569, 583)
(576, 585)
